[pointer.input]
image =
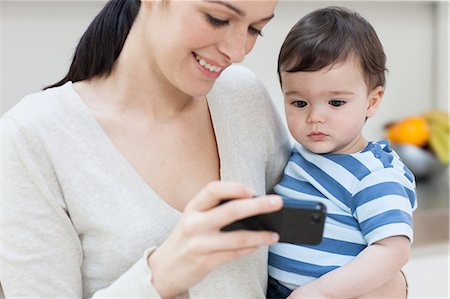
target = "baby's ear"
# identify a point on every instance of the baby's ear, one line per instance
(374, 98)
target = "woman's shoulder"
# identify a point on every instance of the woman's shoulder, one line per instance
(239, 88)
(239, 80)
(237, 73)
(36, 108)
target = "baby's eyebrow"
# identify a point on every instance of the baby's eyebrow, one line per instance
(293, 93)
(341, 92)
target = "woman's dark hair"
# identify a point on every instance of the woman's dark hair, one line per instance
(102, 42)
(328, 36)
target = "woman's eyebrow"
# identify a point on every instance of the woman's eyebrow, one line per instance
(228, 5)
(237, 10)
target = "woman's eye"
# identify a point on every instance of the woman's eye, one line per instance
(215, 21)
(336, 103)
(255, 31)
(299, 104)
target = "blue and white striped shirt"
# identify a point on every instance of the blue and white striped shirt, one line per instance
(369, 196)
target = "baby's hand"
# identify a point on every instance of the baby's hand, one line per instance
(307, 291)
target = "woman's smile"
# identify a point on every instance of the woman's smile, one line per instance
(207, 67)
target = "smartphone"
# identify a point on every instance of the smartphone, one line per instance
(298, 222)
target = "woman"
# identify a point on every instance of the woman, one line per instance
(99, 168)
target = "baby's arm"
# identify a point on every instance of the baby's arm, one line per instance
(371, 269)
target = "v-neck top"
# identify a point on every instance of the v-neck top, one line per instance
(77, 218)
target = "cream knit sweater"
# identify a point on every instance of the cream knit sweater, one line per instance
(77, 221)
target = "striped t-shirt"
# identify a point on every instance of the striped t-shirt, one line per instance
(369, 196)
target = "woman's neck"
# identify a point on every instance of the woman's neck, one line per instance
(127, 93)
(135, 83)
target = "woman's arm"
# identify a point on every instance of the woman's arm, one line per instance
(42, 254)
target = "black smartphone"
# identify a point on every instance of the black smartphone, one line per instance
(298, 222)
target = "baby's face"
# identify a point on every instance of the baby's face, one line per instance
(326, 109)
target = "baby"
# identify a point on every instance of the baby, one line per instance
(332, 72)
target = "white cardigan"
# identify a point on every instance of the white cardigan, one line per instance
(76, 216)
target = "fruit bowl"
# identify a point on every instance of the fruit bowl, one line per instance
(420, 161)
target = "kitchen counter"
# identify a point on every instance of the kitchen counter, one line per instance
(428, 268)
(428, 271)
(431, 219)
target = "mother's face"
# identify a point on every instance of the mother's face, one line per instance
(189, 43)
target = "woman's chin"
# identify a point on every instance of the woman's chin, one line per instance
(199, 90)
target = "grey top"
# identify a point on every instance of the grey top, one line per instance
(78, 221)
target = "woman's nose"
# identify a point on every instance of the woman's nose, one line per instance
(234, 46)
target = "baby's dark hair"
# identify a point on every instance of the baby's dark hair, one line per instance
(329, 36)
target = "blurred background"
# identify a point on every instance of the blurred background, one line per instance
(38, 39)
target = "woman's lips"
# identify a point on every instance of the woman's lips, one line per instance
(208, 68)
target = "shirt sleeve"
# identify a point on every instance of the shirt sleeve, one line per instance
(41, 253)
(383, 205)
(135, 283)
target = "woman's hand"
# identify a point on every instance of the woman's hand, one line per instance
(197, 246)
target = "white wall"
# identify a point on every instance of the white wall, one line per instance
(407, 32)
(442, 52)
(38, 39)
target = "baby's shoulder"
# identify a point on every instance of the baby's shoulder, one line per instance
(381, 160)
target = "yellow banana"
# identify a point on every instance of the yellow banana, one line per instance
(440, 142)
(437, 116)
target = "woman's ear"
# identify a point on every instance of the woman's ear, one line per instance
(374, 98)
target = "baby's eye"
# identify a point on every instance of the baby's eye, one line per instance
(337, 103)
(299, 104)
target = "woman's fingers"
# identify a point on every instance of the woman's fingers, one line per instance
(232, 241)
(197, 246)
(242, 208)
(220, 248)
(181, 262)
(222, 257)
(213, 193)
(227, 213)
